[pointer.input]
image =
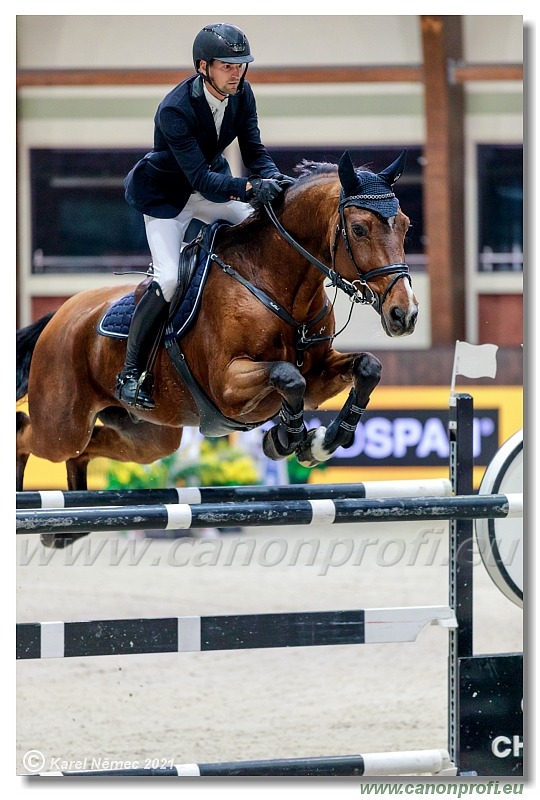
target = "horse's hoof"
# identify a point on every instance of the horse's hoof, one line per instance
(311, 452)
(272, 447)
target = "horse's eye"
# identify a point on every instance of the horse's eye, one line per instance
(359, 230)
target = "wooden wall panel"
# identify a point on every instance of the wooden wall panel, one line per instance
(444, 225)
(43, 305)
(500, 319)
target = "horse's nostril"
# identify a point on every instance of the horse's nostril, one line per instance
(397, 314)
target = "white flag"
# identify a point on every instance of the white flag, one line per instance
(474, 361)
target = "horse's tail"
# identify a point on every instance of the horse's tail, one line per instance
(26, 342)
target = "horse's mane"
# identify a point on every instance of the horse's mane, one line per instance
(307, 172)
(313, 169)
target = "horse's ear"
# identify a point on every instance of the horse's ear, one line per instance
(392, 173)
(347, 174)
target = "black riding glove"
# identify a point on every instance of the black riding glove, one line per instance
(263, 190)
(283, 180)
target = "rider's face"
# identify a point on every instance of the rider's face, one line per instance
(226, 77)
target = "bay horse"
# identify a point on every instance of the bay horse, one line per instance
(261, 344)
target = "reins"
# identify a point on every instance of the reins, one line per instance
(334, 276)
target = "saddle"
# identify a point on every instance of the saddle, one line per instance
(193, 268)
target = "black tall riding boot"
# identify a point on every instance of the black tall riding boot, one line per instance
(134, 385)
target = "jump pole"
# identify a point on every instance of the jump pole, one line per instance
(429, 487)
(295, 512)
(460, 578)
(188, 634)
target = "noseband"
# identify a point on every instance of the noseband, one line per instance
(359, 290)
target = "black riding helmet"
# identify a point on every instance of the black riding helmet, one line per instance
(223, 42)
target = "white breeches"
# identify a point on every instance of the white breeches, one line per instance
(166, 236)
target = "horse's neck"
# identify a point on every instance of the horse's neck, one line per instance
(262, 255)
(310, 224)
(287, 277)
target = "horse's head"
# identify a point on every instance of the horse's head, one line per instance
(371, 255)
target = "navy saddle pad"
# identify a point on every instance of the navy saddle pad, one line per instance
(116, 320)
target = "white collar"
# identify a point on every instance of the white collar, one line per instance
(213, 102)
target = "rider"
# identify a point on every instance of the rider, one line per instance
(186, 176)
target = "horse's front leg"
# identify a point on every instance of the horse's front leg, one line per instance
(283, 439)
(249, 387)
(321, 443)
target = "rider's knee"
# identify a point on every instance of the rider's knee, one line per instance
(168, 287)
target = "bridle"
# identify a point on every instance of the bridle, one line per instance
(359, 290)
(400, 270)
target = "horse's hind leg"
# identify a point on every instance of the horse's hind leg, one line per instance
(23, 421)
(76, 479)
(122, 439)
(77, 471)
(321, 443)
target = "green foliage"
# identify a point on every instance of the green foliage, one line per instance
(217, 464)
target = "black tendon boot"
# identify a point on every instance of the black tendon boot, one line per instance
(134, 385)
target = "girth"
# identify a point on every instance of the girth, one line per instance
(212, 421)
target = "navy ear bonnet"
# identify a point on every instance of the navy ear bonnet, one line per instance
(370, 190)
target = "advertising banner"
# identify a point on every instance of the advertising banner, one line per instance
(403, 432)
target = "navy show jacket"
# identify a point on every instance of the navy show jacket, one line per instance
(188, 155)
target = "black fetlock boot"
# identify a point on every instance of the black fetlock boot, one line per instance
(134, 384)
